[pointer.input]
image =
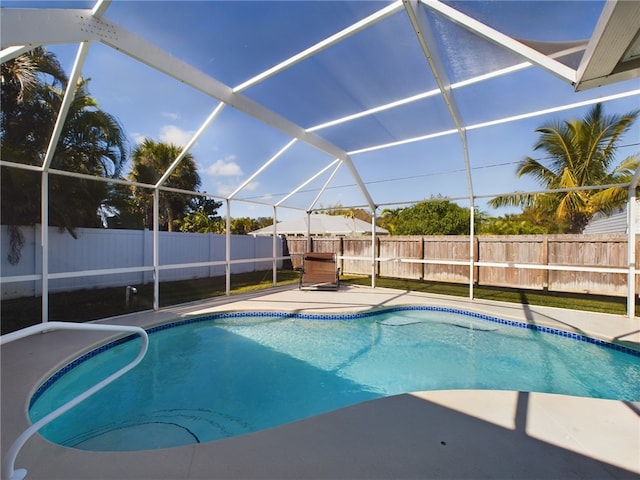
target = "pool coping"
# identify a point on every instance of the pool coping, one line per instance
(34, 364)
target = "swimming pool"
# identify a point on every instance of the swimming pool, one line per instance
(222, 375)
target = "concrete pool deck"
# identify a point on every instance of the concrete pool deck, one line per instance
(440, 434)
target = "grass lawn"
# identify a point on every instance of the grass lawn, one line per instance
(85, 305)
(593, 303)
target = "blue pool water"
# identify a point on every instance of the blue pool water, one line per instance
(231, 374)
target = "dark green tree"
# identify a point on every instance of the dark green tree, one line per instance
(121, 210)
(243, 225)
(433, 217)
(27, 120)
(93, 142)
(203, 216)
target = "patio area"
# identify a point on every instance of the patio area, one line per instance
(438, 434)
(285, 109)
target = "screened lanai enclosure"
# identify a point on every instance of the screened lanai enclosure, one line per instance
(288, 108)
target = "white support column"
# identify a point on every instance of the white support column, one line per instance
(44, 243)
(228, 250)
(308, 231)
(275, 246)
(631, 254)
(631, 245)
(429, 45)
(156, 249)
(67, 100)
(373, 249)
(471, 249)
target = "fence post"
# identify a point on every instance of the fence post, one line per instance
(423, 266)
(376, 254)
(211, 253)
(156, 249)
(147, 255)
(228, 250)
(631, 253)
(44, 244)
(476, 258)
(37, 255)
(274, 245)
(545, 261)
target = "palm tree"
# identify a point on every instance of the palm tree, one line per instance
(20, 76)
(150, 161)
(581, 153)
(389, 219)
(92, 142)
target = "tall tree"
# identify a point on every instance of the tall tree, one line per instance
(202, 216)
(26, 120)
(150, 161)
(580, 153)
(22, 76)
(389, 219)
(243, 225)
(92, 142)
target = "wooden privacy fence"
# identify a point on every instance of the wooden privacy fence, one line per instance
(595, 264)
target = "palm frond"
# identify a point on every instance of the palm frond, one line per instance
(609, 200)
(543, 175)
(556, 140)
(571, 204)
(523, 200)
(625, 170)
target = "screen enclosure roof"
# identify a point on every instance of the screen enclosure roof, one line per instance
(365, 104)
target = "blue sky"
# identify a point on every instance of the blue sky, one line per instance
(233, 41)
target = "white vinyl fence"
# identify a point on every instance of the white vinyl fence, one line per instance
(97, 249)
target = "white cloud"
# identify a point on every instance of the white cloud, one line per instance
(171, 116)
(225, 167)
(226, 189)
(168, 134)
(138, 138)
(175, 135)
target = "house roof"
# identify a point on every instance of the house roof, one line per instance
(321, 224)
